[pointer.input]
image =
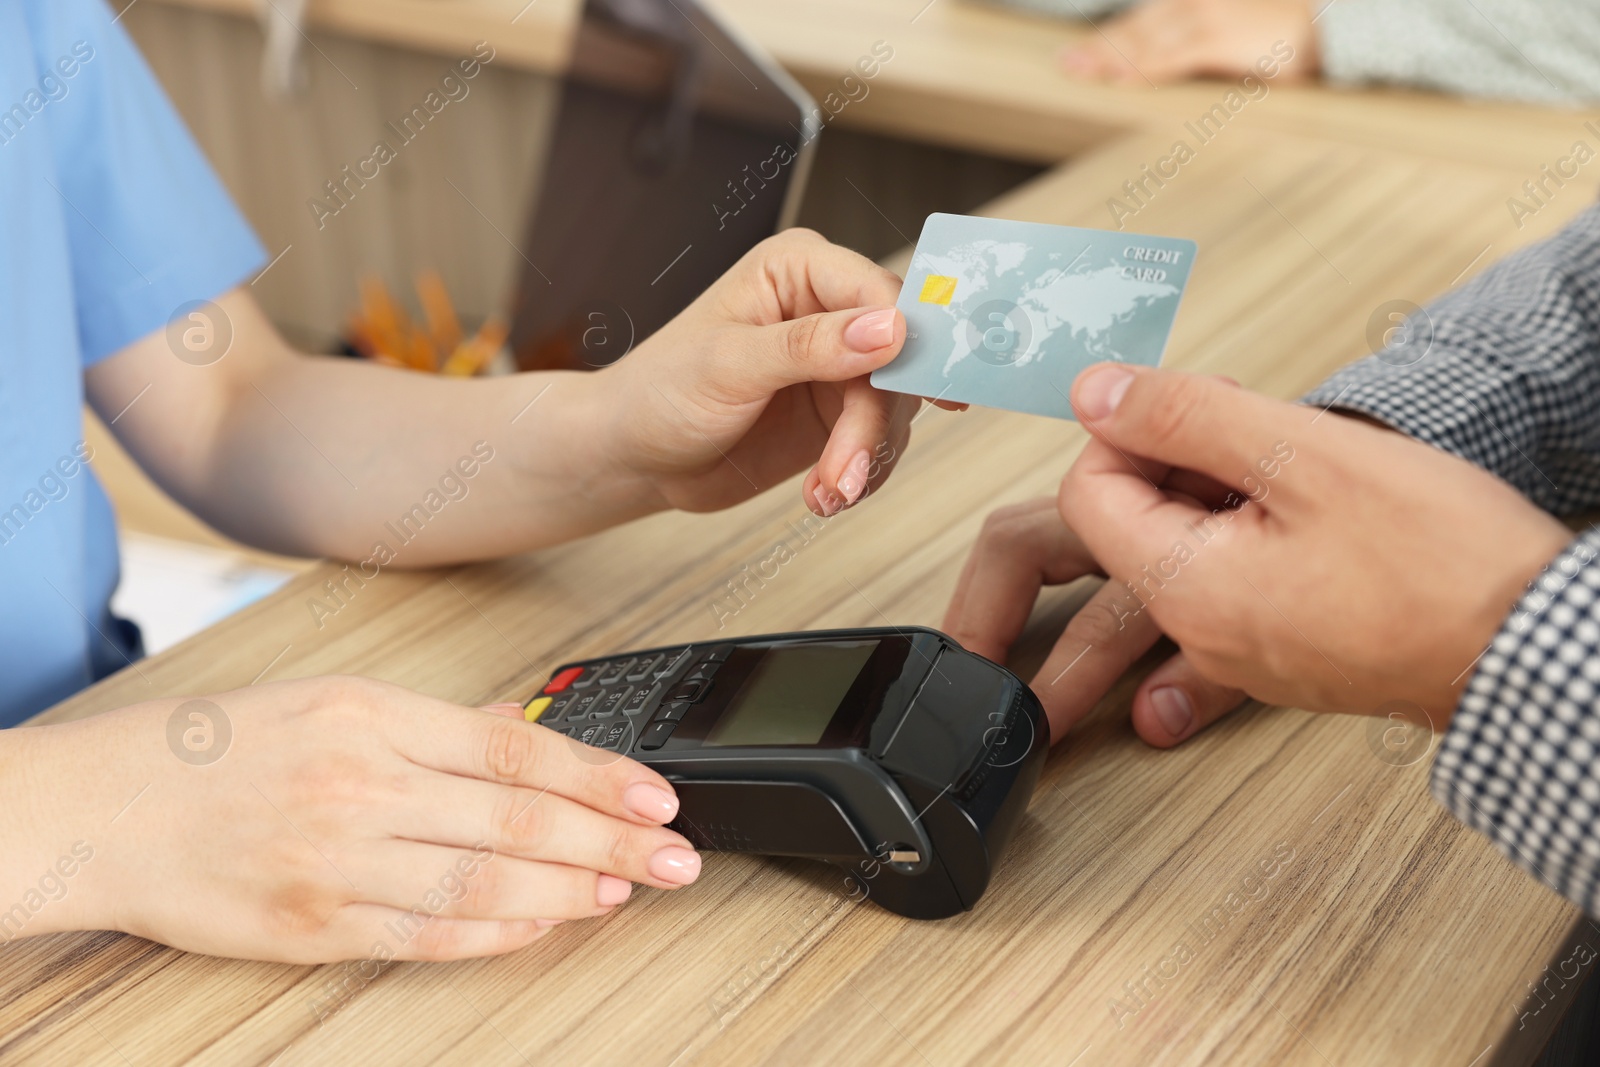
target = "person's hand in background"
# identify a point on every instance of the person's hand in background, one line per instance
(1300, 556)
(1027, 546)
(1163, 41)
(764, 373)
(331, 819)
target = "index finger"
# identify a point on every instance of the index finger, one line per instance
(1123, 517)
(1191, 421)
(1106, 637)
(1021, 549)
(803, 273)
(464, 741)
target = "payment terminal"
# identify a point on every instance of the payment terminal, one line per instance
(893, 753)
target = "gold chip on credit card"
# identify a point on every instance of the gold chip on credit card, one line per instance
(937, 289)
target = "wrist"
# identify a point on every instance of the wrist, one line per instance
(59, 805)
(1542, 576)
(599, 456)
(1362, 417)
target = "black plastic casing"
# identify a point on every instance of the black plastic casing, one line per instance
(937, 759)
(967, 755)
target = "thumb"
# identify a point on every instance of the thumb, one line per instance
(1189, 421)
(832, 346)
(1175, 702)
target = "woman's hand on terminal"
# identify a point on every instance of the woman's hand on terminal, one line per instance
(337, 818)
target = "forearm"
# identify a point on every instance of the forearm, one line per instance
(762, 376)
(332, 457)
(1504, 372)
(320, 456)
(1521, 760)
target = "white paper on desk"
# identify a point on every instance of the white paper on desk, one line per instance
(175, 589)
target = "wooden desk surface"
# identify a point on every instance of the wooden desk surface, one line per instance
(977, 76)
(1387, 933)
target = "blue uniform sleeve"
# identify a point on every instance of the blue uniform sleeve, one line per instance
(149, 225)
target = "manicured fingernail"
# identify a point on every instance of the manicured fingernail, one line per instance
(828, 502)
(1100, 391)
(650, 802)
(612, 890)
(1173, 709)
(680, 866)
(871, 331)
(854, 479)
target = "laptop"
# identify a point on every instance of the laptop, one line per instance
(677, 146)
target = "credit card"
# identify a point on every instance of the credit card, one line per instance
(1006, 314)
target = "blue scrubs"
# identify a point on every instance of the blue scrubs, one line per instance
(110, 219)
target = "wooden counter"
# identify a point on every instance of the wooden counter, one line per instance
(980, 77)
(1387, 932)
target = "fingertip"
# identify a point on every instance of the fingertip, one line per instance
(852, 481)
(1154, 736)
(809, 492)
(1164, 716)
(674, 866)
(622, 776)
(611, 890)
(828, 503)
(651, 802)
(653, 778)
(1158, 716)
(874, 330)
(1099, 389)
(859, 452)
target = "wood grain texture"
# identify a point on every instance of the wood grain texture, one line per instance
(980, 77)
(1387, 932)
(452, 198)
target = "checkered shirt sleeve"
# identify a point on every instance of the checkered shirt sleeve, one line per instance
(1521, 760)
(1505, 372)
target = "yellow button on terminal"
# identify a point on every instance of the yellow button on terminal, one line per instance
(535, 708)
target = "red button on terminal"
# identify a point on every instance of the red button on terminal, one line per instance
(562, 680)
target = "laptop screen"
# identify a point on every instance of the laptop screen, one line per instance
(675, 149)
